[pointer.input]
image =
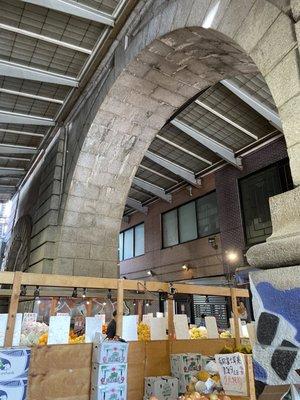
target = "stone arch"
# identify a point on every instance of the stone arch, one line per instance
(175, 50)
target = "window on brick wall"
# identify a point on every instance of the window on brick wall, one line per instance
(255, 190)
(193, 220)
(132, 242)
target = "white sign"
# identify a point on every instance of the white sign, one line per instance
(17, 329)
(59, 328)
(158, 328)
(211, 327)
(181, 327)
(92, 325)
(62, 314)
(29, 317)
(232, 371)
(129, 328)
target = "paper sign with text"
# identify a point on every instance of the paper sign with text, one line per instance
(29, 317)
(232, 370)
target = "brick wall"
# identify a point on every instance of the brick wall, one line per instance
(198, 254)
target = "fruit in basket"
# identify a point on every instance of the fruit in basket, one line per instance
(77, 339)
(43, 339)
(198, 333)
(225, 335)
(203, 375)
(104, 329)
(143, 332)
(227, 350)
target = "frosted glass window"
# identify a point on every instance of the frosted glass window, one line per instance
(128, 244)
(187, 222)
(207, 212)
(121, 246)
(170, 228)
(139, 240)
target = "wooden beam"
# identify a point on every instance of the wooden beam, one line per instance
(235, 316)
(13, 309)
(171, 330)
(89, 308)
(208, 290)
(120, 300)
(7, 278)
(140, 309)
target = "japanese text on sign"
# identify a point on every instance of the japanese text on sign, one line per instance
(232, 372)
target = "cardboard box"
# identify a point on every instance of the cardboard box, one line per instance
(183, 381)
(162, 387)
(14, 364)
(110, 352)
(104, 374)
(109, 392)
(184, 363)
(13, 390)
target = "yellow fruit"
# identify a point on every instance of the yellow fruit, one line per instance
(203, 376)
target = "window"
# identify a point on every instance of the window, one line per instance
(207, 213)
(256, 189)
(187, 222)
(132, 242)
(193, 220)
(170, 228)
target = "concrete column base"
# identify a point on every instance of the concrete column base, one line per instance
(282, 248)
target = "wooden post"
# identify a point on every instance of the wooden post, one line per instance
(171, 331)
(13, 309)
(250, 377)
(120, 300)
(54, 303)
(235, 317)
(140, 309)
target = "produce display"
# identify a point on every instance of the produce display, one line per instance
(73, 338)
(243, 348)
(201, 333)
(31, 333)
(143, 332)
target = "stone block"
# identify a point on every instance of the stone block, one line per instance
(274, 45)
(283, 80)
(294, 158)
(234, 16)
(295, 5)
(87, 267)
(63, 266)
(140, 85)
(197, 13)
(260, 18)
(68, 234)
(182, 13)
(49, 234)
(291, 120)
(110, 270)
(46, 250)
(104, 253)
(168, 97)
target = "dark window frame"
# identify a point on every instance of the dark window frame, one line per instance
(133, 242)
(286, 183)
(177, 216)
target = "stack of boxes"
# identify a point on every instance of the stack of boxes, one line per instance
(109, 371)
(184, 367)
(14, 366)
(161, 387)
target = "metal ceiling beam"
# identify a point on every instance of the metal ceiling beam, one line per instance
(77, 9)
(31, 96)
(12, 171)
(47, 39)
(253, 102)
(184, 173)
(222, 151)
(15, 158)
(136, 205)
(158, 173)
(16, 149)
(23, 133)
(151, 188)
(14, 70)
(183, 149)
(8, 117)
(226, 119)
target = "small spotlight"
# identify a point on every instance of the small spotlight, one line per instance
(185, 267)
(150, 272)
(74, 293)
(104, 304)
(84, 293)
(147, 304)
(88, 302)
(134, 303)
(232, 256)
(38, 302)
(36, 292)
(212, 242)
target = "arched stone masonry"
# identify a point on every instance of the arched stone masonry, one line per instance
(170, 52)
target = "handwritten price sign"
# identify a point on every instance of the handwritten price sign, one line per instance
(232, 371)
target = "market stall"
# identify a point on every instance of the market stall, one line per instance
(64, 371)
